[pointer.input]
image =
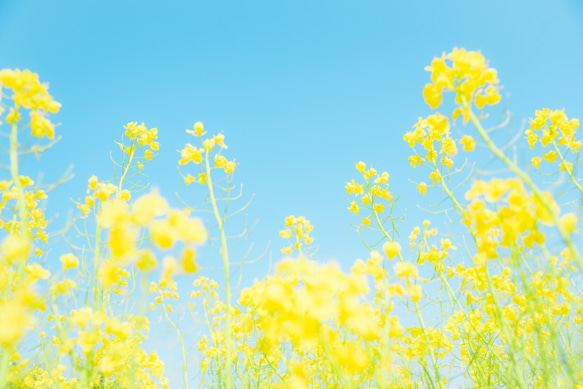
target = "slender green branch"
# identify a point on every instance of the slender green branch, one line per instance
(224, 252)
(533, 187)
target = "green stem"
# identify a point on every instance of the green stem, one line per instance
(184, 354)
(569, 171)
(22, 213)
(528, 181)
(417, 309)
(4, 365)
(499, 315)
(126, 169)
(224, 251)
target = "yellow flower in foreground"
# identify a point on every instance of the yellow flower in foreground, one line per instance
(415, 292)
(36, 271)
(169, 267)
(569, 222)
(406, 269)
(148, 206)
(15, 319)
(69, 261)
(14, 249)
(187, 260)
(146, 260)
(391, 249)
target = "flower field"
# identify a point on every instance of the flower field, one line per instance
(491, 299)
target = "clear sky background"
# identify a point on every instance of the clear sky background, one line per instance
(301, 89)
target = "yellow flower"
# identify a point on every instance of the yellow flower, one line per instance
(63, 287)
(230, 167)
(379, 208)
(415, 292)
(162, 234)
(190, 153)
(468, 143)
(13, 116)
(422, 188)
(369, 173)
(69, 261)
(290, 220)
(489, 96)
(148, 154)
(15, 249)
(148, 206)
(109, 273)
(465, 73)
(535, 161)
(189, 179)
(415, 160)
(361, 166)
(208, 144)
(391, 249)
(354, 188)
(220, 161)
(29, 92)
(405, 269)
(448, 147)
(353, 207)
(566, 166)
(145, 260)
(220, 140)
(550, 156)
(81, 317)
(198, 129)
(15, 319)
(435, 176)
(169, 267)
(41, 126)
(569, 222)
(188, 260)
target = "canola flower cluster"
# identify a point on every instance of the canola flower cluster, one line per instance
(494, 302)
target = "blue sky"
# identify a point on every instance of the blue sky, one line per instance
(301, 89)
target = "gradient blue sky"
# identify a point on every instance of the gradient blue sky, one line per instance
(301, 89)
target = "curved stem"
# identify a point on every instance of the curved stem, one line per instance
(417, 309)
(528, 181)
(224, 251)
(569, 171)
(184, 354)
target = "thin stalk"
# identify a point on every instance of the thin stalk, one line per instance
(4, 365)
(126, 169)
(224, 251)
(528, 181)
(184, 354)
(417, 310)
(569, 171)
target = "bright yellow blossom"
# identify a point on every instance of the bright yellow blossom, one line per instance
(69, 261)
(391, 249)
